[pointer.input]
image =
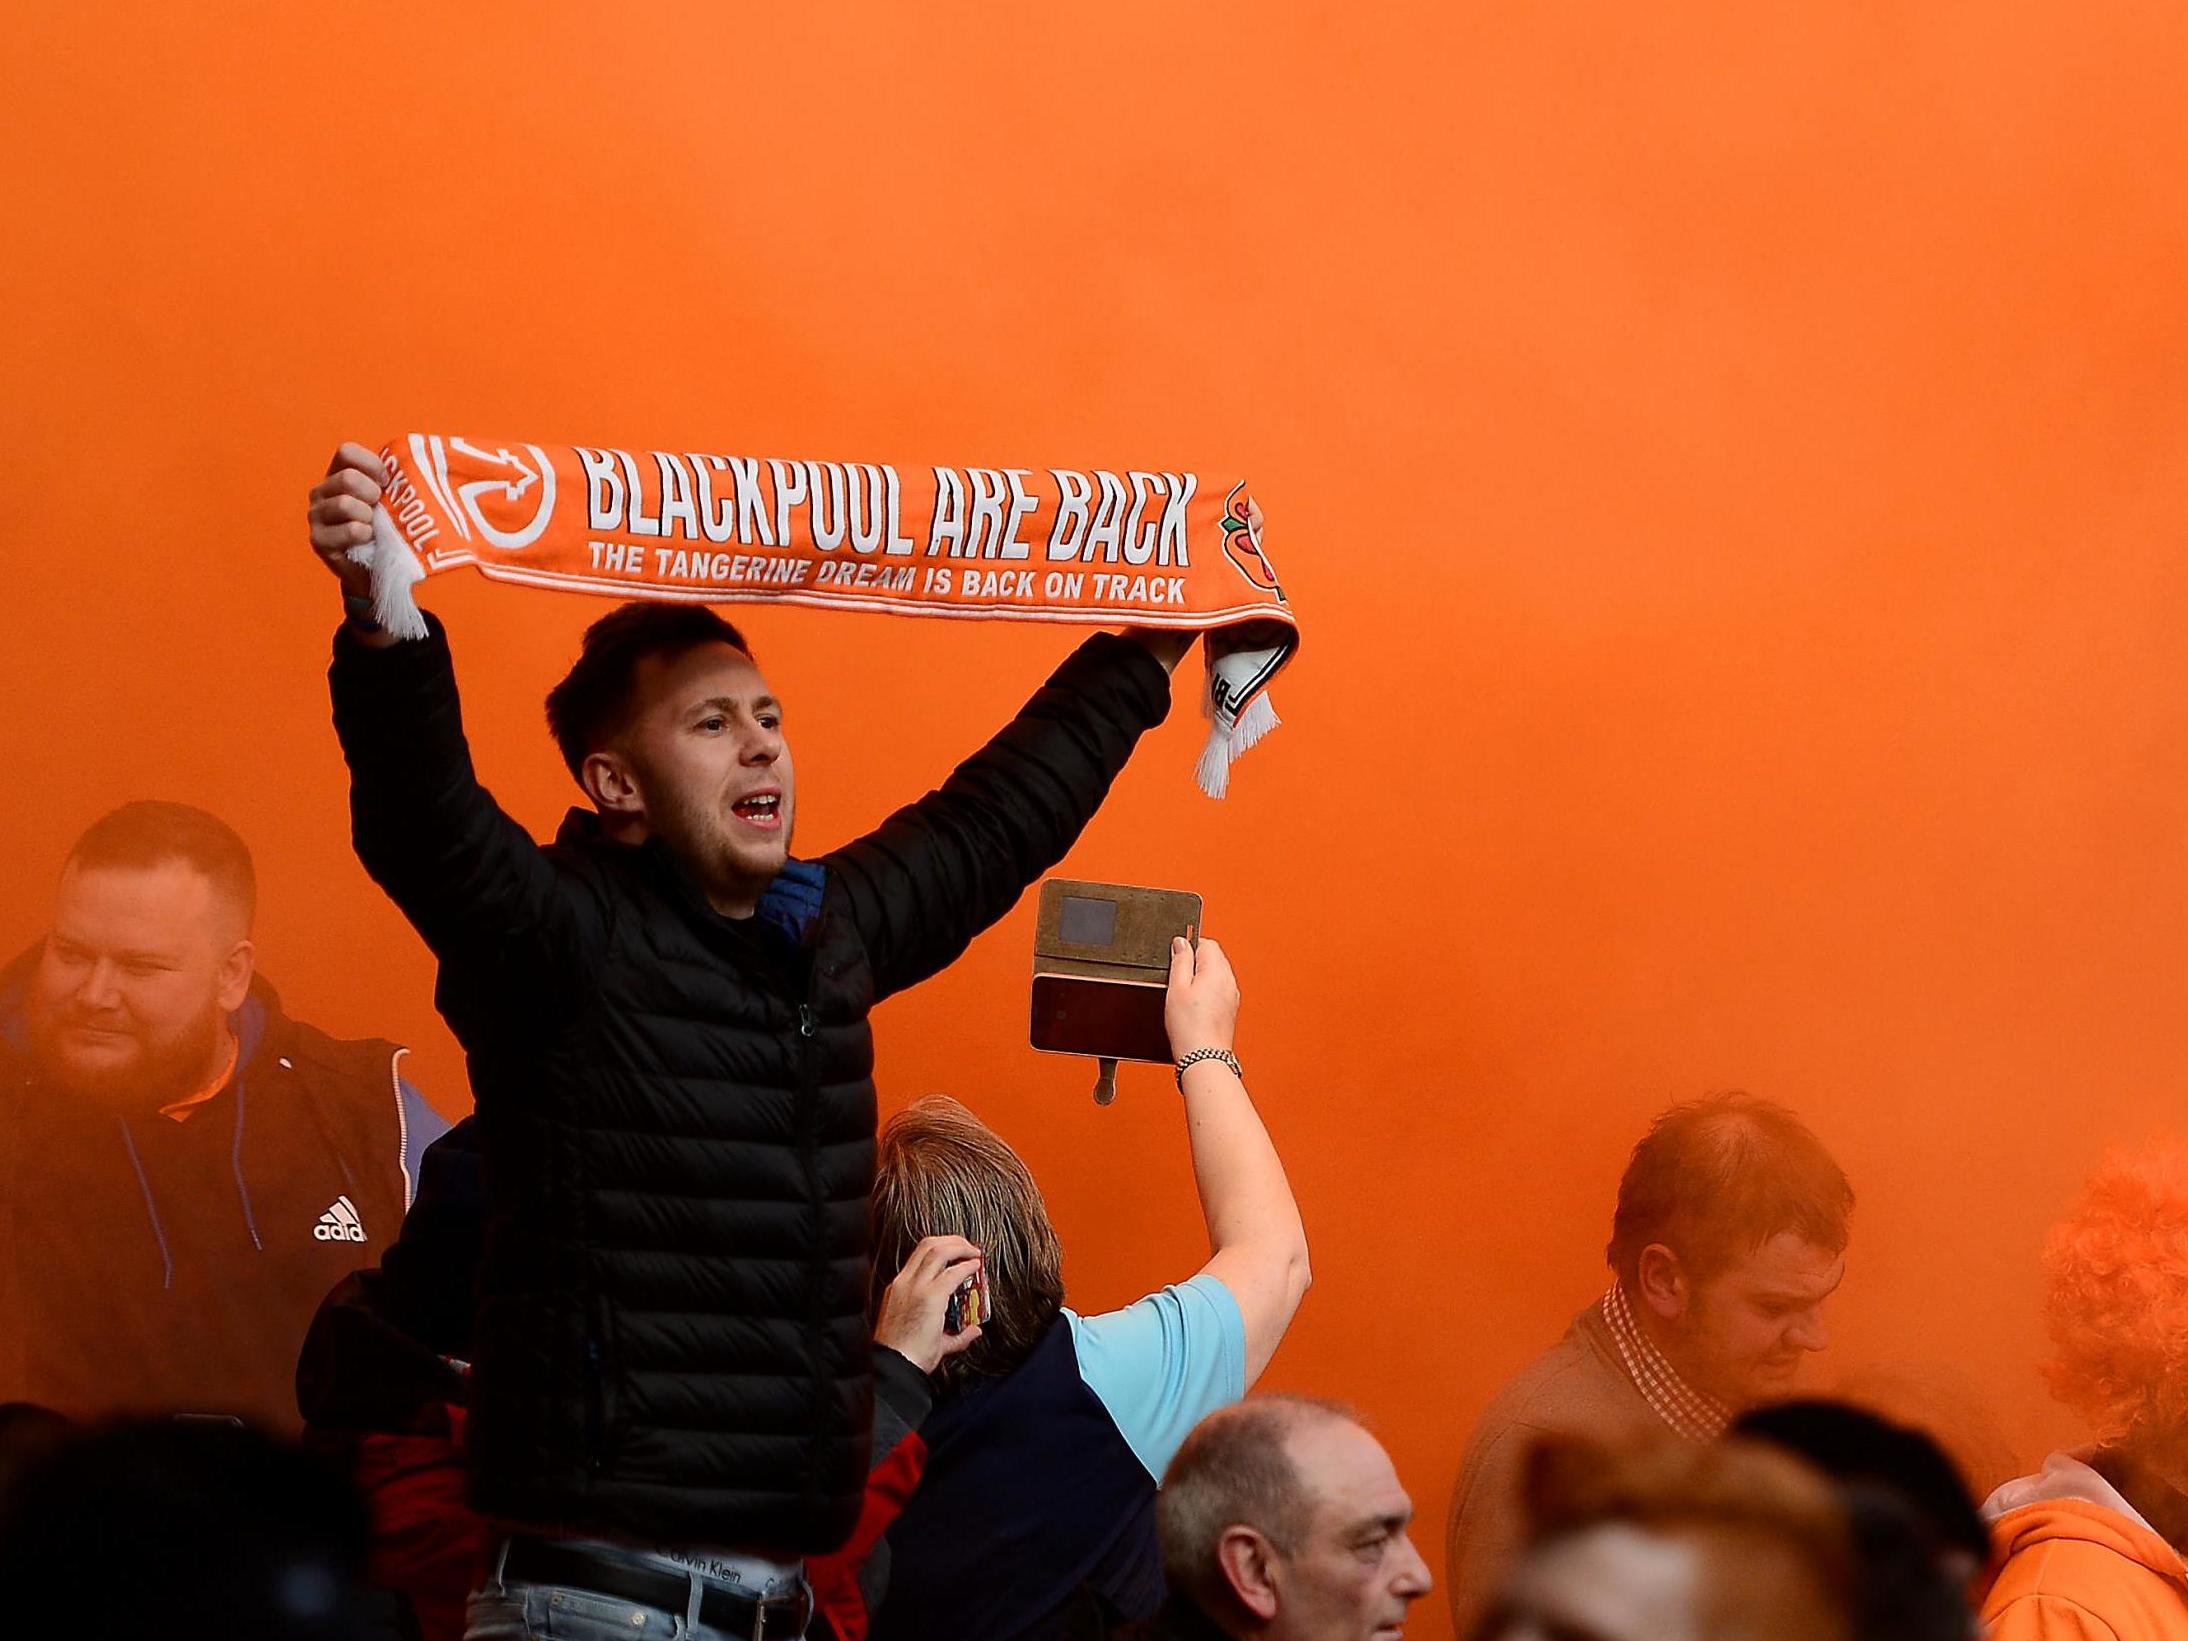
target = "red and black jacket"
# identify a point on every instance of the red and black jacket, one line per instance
(383, 1381)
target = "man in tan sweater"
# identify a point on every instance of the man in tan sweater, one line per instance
(1730, 1234)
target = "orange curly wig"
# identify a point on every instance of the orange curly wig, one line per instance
(2116, 1295)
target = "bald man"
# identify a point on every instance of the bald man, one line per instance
(184, 1169)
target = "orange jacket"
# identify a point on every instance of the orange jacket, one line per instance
(2079, 1564)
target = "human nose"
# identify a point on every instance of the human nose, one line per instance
(100, 988)
(1808, 1330)
(764, 745)
(1414, 1580)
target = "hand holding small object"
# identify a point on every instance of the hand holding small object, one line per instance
(1200, 1010)
(915, 1308)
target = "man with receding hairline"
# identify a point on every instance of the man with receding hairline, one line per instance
(1282, 1519)
(1729, 1235)
(184, 1169)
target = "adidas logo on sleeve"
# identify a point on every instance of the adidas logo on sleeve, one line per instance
(340, 1223)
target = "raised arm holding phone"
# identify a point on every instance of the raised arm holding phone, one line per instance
(1048, 1393)
(1258, 1244)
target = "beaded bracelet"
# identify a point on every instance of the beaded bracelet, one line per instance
(1200, 1054)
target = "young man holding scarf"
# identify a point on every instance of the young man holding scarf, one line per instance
(665, 1017)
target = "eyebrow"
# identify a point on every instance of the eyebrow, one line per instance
(1395, 1522)
(730, 703)
(1801, 1296)
(129, 955)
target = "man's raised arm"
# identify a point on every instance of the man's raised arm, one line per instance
(470, 879)
(937, 872)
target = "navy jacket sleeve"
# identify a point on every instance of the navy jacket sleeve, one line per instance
(470, 879)
(934, 874)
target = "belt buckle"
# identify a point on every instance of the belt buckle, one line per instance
(767, 1603)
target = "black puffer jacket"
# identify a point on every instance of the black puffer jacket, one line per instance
(676, 1109)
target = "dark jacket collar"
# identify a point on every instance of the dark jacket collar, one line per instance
(787, 910)
(1180, 1620)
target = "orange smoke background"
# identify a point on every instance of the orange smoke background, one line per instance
(1729, 466)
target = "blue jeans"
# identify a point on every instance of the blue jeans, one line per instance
(509, 1610)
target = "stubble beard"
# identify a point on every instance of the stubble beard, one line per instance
(699, 835)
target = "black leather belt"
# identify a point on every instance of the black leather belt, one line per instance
(536, 1561)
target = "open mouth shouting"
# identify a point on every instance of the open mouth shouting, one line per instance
(761, 810)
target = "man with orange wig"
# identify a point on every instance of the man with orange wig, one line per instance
(2091, 1544)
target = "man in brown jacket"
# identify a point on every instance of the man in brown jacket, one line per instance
(1730, 1233)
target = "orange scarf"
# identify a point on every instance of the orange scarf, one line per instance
(1141, 547)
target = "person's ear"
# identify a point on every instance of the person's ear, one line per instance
(612, 784)
(1662, 1282)
(235, 975)
(1248, 1561)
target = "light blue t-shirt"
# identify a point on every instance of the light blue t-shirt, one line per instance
(1162, 1365)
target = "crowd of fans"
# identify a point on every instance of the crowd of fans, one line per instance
(666, 1339)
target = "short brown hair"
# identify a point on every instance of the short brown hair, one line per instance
(1234, 1469)
(593, 701)
(943, 1172)
(152, 832)
(1716, 1178)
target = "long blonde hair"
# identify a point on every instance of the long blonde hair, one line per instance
(943, 1172)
